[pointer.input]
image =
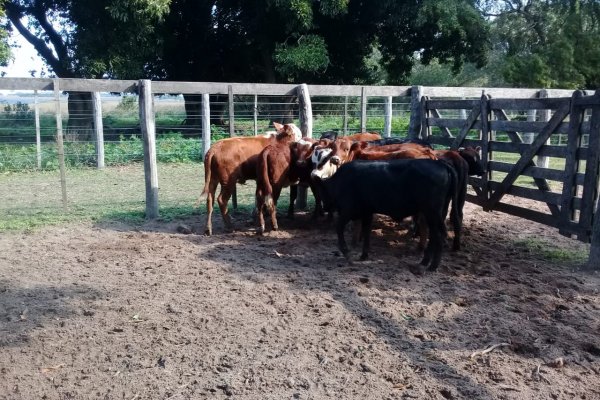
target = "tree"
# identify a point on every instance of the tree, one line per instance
(5, 52)
(77, 39)
(552, 43)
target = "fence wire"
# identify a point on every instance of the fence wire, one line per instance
(29, 162)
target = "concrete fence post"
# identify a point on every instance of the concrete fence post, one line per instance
(98, 130)
(387, 130)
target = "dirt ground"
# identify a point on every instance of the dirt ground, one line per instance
(118, 312)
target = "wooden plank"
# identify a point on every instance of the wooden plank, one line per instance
(453, 92)
(147, 125)
(512, 135)
(525, 126)
(98, 130)
(592, 173)
(60, 144)
(449, 123)
(437, 122)
(26, 84)
(572, 164)
(468, 125)
(588, 101)
(268, 89)
(527, 156)
(231, 110)
(451, 104)
(529, 104)
(533, 171)
(530, 193)
(414, 125)
(519, 148)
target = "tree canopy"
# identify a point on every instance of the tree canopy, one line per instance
(331, 41)
(551, 43)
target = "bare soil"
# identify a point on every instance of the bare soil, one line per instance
(122, 312)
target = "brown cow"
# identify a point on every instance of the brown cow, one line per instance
(277, 168)
(391, 152)
(233, 160)
(362, 136)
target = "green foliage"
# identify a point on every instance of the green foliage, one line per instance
(128, 104)
(309, 55)
(549, 44)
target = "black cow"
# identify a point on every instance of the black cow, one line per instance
(399, 189)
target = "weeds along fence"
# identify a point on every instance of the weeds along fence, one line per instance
(152, 132)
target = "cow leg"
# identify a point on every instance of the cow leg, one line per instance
(456, 220)
(341, 225)
(366, 223)
(422, 230)
(210, 201)
(273, 207)
(293, 196)
(260, 204)
(356, 228)
(436, 240)
(223, 199)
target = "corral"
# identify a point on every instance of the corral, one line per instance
(120, 308)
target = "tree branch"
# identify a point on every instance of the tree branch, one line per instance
(14, 14)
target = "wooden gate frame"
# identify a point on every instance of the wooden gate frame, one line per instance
(575, 211)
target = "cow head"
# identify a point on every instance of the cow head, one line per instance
(288, 130)
(473, 158)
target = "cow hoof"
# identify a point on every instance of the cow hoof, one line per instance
(364, 257)
(417, 269)
(208, 232)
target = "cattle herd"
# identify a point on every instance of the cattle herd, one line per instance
(354, 176)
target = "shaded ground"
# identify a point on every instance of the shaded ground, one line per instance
(119, 312)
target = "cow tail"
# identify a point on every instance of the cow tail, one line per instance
(266, 182)
(207, 176)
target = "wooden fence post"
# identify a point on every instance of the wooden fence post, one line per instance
(387, 130)
(205, 123)
(147, 125)
(98, 130)
(255, 115)
(594, 258)
(363, 109)
(306, 126)
(60, 143)
(231, 111)
(485, 115)
(38, 139)
(414, 127)
(544, 161)
(345, 119)
(306, 117)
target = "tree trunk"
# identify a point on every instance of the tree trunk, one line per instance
(80, 126)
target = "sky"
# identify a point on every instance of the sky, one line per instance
(25, 59)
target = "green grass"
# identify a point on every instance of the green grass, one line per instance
(551, 252)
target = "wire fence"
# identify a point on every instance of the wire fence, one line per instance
(29, 162)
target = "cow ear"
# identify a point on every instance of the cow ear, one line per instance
(461, 149)
(278, 126)
(478, 148)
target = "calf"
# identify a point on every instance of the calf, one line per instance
(277, 168)
(397, 188)
(233, 160)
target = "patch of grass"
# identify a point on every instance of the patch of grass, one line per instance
(551, 252)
